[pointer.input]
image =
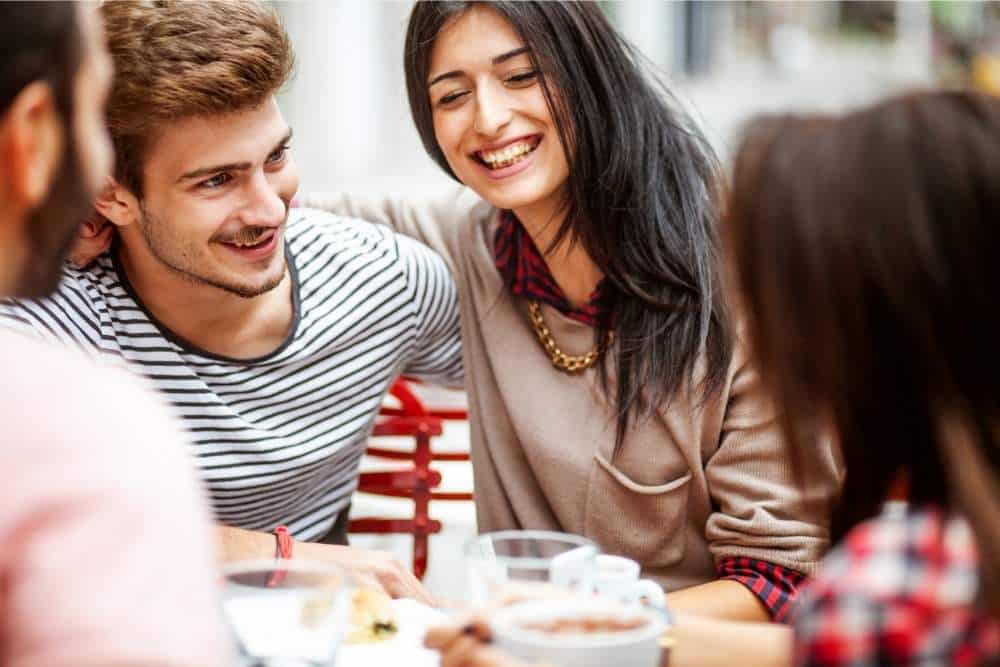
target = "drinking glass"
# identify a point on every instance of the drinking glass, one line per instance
(510, 564)
(287, 613)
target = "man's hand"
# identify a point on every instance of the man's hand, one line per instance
(94, 237)
(376, 569)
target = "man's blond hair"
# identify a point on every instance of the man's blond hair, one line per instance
(175, 60)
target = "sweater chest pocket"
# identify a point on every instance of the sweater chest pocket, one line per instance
(645, 523)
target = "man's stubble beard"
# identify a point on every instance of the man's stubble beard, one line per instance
(165, 250)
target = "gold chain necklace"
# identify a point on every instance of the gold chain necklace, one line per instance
(561, 360)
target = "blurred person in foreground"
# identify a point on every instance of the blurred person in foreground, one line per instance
(276, 334)
(107, 552)
(863, 250)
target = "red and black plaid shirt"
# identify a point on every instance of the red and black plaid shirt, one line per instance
(526, 274)
(900, 590)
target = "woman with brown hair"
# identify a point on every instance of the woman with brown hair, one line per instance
(864, 254)
(865, 250)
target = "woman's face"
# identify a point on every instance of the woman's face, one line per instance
(490, 115)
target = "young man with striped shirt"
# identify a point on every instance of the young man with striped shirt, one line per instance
(274, 332)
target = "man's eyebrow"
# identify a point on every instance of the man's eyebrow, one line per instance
(496, 60)
(231, 166)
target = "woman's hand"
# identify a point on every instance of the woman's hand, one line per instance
(93, 238)
(467, 645)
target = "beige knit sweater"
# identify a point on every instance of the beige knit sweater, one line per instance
(689, 486)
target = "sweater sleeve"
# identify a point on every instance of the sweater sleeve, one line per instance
(764, 508)
(432, 222)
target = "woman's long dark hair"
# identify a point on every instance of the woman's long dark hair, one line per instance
(866, 253)
(641, 197)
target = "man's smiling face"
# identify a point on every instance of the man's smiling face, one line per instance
(216, 193)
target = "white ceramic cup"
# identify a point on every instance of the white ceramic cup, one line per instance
(617, 578)
(638, 647)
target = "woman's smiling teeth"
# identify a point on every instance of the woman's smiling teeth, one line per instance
(508, 155)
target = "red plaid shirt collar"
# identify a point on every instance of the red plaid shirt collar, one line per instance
(523, 269)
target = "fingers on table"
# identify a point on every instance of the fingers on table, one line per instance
(401, 583)
(442, 635)
(463, 652)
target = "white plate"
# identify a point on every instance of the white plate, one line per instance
(406, 648)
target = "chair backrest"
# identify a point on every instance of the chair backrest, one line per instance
(411, 405)
(412, 418)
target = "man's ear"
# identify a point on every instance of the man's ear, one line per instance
(117, 204)
(31, 147)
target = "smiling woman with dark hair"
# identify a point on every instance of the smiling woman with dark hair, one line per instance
(608, 392)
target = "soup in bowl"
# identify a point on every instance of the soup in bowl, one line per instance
(581, 632)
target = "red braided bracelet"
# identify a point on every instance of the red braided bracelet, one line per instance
(285, 542)
(283, 551)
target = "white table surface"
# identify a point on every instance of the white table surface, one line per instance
(406, 648)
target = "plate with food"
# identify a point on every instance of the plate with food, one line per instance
(388, 632)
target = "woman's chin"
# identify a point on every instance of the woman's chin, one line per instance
(511, 196)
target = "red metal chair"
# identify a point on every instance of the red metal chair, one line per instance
(412, 419)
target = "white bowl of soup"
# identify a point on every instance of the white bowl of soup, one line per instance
(581, 632)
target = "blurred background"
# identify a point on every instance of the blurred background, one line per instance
(725, 61)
